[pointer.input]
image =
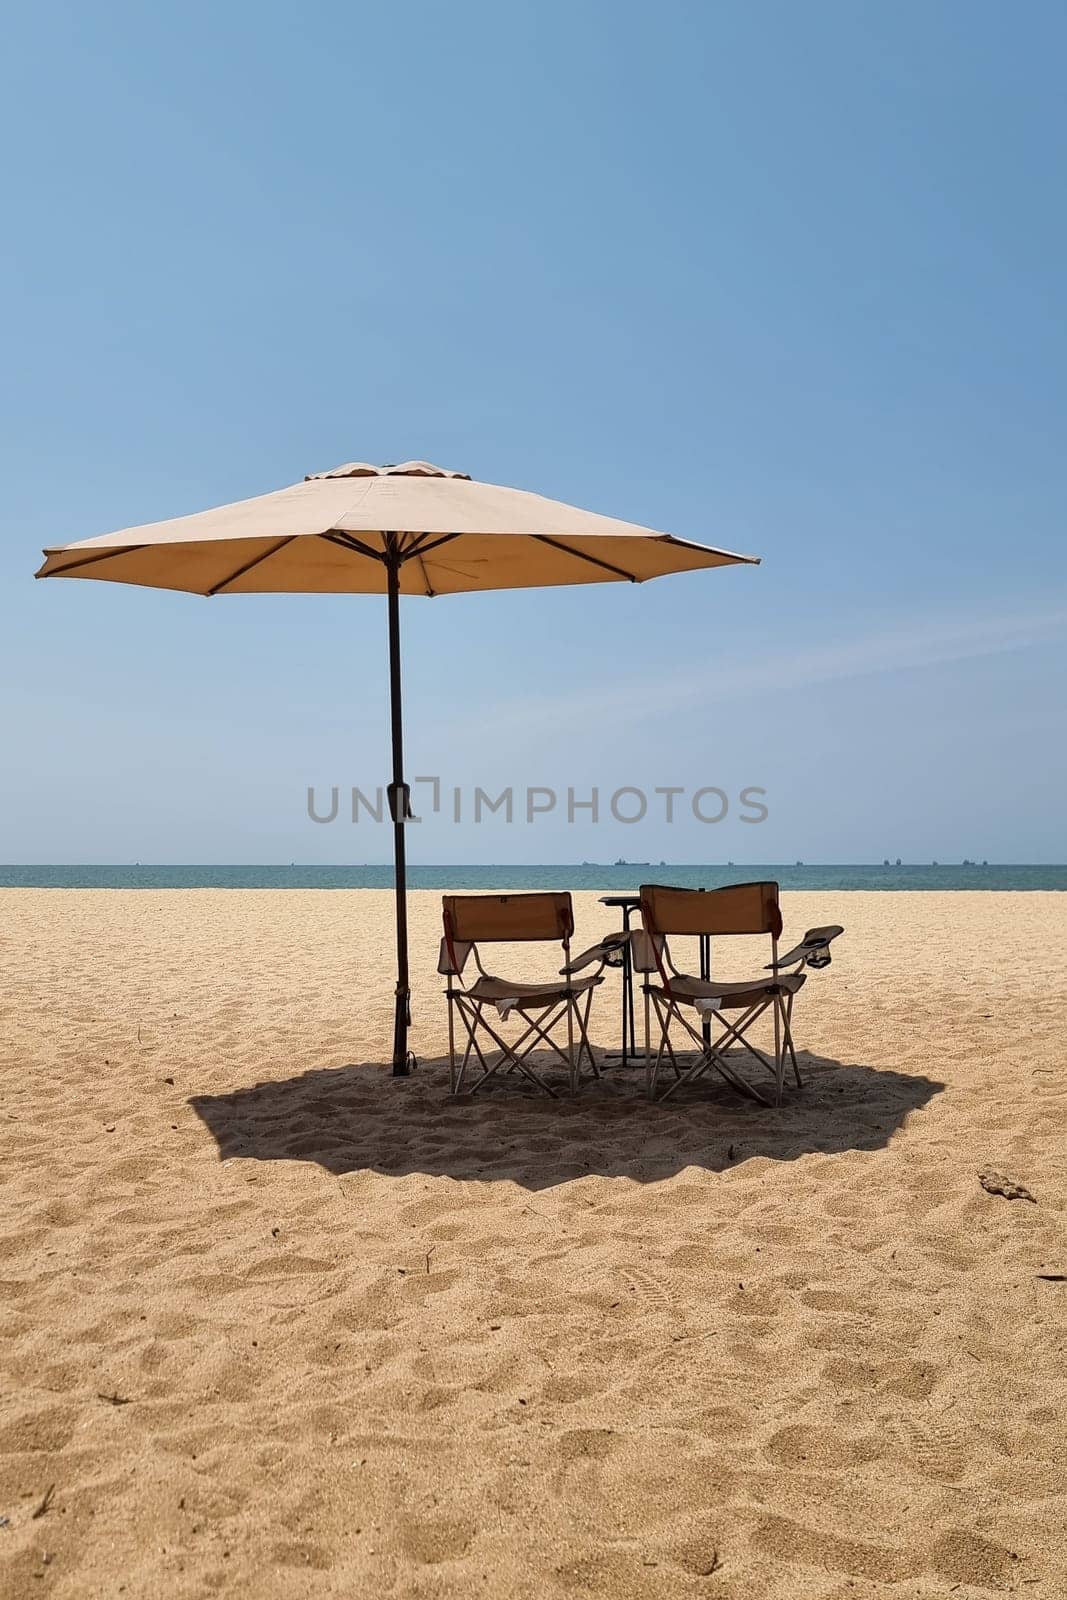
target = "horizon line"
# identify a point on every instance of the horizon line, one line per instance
(428, 866)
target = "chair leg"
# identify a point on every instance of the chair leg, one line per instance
(512, 1055)
(789, 1040)
(669, 1049)
(541, 1028)
(710, 1058)
(648, 1043)
(508, 1061)
(584, 1045)
(472, 1045)
(706, 1058)
(737, 1032)
(663, 1017)
(574, 1066)
(783, 1043)
(451, 1040)
(538, 1030)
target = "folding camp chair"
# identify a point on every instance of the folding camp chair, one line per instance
(541, 1008)
(743, 908)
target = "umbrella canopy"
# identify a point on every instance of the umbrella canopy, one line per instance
(360, 529)
(330, 535)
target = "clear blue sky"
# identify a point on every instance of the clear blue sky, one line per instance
(786, 278)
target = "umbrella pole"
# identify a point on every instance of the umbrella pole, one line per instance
(399, 809)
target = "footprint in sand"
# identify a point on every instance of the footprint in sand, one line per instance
(963, 1557)
(302, 1555)
(432, 1540)
(586, 1444)
(48, 1429)
(933, 1448)
(831, 1300)
(811, 1448)
(793, 1542)
(422, 1213)
(915, 1380)
(648, 1289)
(841, 1372)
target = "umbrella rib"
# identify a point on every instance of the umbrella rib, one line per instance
(728, 555)
(425, 575)
(557, 544)
(87, 561)
(345, 541)
(421, 549)
(248, 565)
(413, 552)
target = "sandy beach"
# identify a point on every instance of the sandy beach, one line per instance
(274, 1324)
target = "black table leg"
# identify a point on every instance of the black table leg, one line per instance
(629, 1038)
(705, 973)
(628, 972)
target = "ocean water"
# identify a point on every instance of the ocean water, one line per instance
(620, 877)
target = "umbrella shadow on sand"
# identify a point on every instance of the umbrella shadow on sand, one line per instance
(357, 1119)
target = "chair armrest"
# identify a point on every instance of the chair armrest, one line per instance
(611, 945)
(813, 950)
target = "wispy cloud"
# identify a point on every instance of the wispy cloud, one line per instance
(624, 697)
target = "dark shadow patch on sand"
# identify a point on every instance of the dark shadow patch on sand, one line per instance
(359, 1118)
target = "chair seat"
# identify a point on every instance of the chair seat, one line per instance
(543, 994)
(733, 996)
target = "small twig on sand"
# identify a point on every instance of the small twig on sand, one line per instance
(46, 1504)
(115, 1399)
(429, 1253)
(1052, 1277)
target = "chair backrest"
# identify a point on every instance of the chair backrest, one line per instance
(472, 918)
(737, 908)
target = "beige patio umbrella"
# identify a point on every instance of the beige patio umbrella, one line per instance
(408, 529)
